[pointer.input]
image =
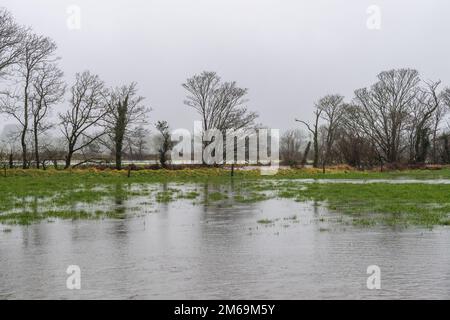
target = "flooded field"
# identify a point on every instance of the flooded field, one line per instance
(208, 241)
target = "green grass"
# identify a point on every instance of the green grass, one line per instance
(265, 221)
(217, 196)
(164, 197)
(189, 195)
(26, 218)
(31, 196)
(399, 204)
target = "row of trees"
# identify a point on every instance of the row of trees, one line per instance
(92, 121)
(399, 119)
(33, 85)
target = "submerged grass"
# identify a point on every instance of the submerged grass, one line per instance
(399, 204)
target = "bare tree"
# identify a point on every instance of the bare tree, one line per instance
(124, 112)
(87, 111)
(137, 142)
(445, 153)
(221, 105)
(353, 145)
(314, 130)
(439, 115)
(9, 138)
(290, 146)
(382, 111)
(443, 138)
(427, 103)
(305, 154)
(49, 88)
(52, 151)
(332, 108)
(11, 38)
(37, 51)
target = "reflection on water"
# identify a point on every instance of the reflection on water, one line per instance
(218, 250)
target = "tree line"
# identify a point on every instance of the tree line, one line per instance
(400, 119)
(97, 121)
(33, 85)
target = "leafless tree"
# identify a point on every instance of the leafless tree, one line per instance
(332, 108)
(305, 154)
(52, 151)
(314, 130)
(382, 111)
(290, 146)
(124, 113)
(137, 142)
(49, 88)
(37, 51)
(11, 41)
(221, 105)
(87, 111)
(9, 138)
(439, 115)
(422, 115)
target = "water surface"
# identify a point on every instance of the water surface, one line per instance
(181, 250)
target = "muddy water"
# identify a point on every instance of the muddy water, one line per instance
(183, 251)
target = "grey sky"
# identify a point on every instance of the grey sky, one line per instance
(287, 52)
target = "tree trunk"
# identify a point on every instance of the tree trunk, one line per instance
(434, 144)
(68, 158)
(305, 154)
(119, 131)
(25, 126)
(316, 150)
(36, 146)
(119, 155)
(316, 140)
(24, 148)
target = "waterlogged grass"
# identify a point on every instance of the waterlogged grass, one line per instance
(28, 217)
(189, 195)
(369, 204)
(250, 197)
(167, 195)
(216, 196)
(32, 196)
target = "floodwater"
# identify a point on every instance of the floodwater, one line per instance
(179, 250)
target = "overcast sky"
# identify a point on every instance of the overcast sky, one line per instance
(288, 53)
